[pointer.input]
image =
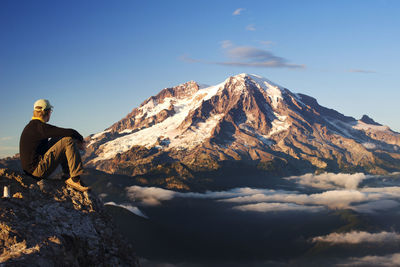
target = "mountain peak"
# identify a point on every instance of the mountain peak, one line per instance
(246, 117)
(265, 83)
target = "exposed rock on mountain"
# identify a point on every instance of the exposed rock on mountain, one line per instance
(155, 109)
(368, 120)
(186, 134)
(49, 224)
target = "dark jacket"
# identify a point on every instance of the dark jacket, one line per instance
(34, 142)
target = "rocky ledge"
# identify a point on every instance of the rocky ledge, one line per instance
(47, 223)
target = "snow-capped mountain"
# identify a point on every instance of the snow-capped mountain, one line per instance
(245, 121)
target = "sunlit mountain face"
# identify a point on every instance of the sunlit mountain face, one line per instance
(245, 131)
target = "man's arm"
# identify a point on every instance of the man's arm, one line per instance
(51, 131)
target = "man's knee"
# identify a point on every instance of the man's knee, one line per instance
(68, 141)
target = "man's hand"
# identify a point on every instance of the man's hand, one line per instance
(81, 145)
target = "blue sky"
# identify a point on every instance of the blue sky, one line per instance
(97, 60)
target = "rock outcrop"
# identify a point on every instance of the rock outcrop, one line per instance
(47, 223)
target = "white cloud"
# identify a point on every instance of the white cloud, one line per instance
(363, 200)
(133, 209)
(393, 191)
(246, 56)
(357, 237)
(251, 28)
(150, 196)
(270, 207)
(224, 194)
(266, 64)
(238, 11)
(387, 260)
(226, 44)
(362, 71)
(340, 199)
(267, 43)
(335, 199)
(153, 196)
(330, 180)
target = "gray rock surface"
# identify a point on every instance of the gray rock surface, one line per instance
(47, 223)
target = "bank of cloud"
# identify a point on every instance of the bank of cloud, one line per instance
(358, 237)
(345, 194)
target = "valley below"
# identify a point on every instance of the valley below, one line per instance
(309, 220)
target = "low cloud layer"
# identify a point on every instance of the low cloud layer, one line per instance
(330, 180)
(269, 207)
(387, 260)
(372, 201)
(358, 237)
(151, 196)
(376, 206)
(334, 199)
(342, 192)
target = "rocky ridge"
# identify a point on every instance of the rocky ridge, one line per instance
(182, 132)
(46, 223)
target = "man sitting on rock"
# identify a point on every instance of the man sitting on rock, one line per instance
(43, 147)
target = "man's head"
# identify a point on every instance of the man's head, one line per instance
(42, 109)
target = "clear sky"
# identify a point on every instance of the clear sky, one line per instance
(97, 60)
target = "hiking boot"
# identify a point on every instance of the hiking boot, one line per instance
(75, 183)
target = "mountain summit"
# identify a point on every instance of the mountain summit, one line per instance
(247, 123)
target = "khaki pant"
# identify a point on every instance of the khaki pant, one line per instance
(64, 152)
